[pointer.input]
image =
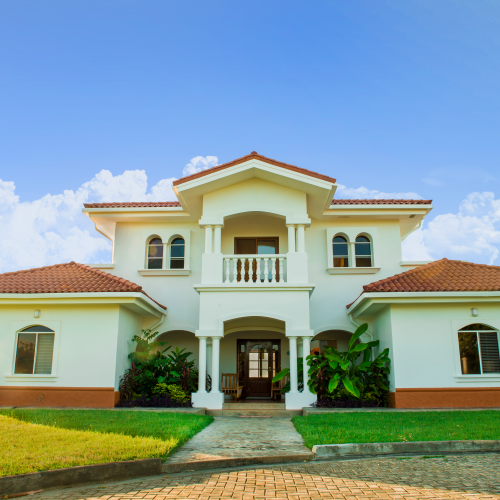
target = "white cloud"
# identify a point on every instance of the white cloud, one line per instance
(53, 229)
(199, 163)
(471, 234)
(344, 192)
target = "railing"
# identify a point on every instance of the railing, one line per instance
(257, 269)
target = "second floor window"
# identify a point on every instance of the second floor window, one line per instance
(478, 350)
(177, 249)
(340, 252)
(155, 254)
(363, 252)
(34, 351)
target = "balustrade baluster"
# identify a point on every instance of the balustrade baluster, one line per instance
(274, 269)
(282, 273)
(243, 272)
(266, 270)
(257, 270)
(250, 270)
(235, 271)
(226, 262)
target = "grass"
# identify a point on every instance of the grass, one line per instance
(359, 427)
(35, 440)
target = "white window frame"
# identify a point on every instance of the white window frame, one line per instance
(150, 239)
(349, 256)
(370, 240)
(456, 326)
(17, 327)
(351, 233)
(167, 235)
(478, 340)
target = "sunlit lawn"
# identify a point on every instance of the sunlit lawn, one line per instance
(379, 427)
(34, 440)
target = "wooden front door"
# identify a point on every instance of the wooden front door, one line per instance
(258, 363)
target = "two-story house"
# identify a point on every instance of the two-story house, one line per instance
(254, 266)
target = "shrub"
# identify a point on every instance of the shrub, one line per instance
(343, 403)
(158, 401)
(176, 392)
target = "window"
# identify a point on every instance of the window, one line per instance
(177, 248)
(258, 359)
(35, 347)
(363, 252)
(478, 350)
(256, 245)
(340, 252)
(155, 254)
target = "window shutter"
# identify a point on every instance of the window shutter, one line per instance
(490, 358)
(44, 353)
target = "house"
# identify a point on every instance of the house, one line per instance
(255, 265)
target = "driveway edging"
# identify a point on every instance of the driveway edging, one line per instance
(83, 474)
(360, 450)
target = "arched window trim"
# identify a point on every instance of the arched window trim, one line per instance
(171, 257)
(148, 244)
(355, 253)
(44, 353)
(348, 256)
(479, 350)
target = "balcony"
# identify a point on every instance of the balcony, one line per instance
(254, 269)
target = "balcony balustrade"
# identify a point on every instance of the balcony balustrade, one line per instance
(254, 269)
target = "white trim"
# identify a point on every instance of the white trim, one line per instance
(164, 272)
(352, 270)
(32, 378)
(488, 377)
(269, 287)
(414, 263)
(137, 298)
(101, 266)
(408, 206)
(132, 209)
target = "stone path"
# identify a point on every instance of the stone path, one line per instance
(232, 438)
(468, 477)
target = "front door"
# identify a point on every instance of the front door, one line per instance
(258, 363)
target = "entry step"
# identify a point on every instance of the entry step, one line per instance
(249, 412)
(254, 406)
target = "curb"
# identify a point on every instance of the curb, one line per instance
(308, 410)
(219, 463)
(74, 476)
(360, 450)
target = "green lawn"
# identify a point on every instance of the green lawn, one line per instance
(34, 440)
(379, 427)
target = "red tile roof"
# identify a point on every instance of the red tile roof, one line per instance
(66, 278)
(441, 276)
(253, 156)
(133, 204)
(381, 202)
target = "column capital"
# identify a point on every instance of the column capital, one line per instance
(291, 225)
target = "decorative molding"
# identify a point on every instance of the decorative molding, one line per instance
(164, 272)
(478, 378)
(31, 378)
(352, 270)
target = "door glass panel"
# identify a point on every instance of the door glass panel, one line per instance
(266, 246)
(246, 246)
(258, 359)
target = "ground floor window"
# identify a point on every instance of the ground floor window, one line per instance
(479, 352)
(34, 350)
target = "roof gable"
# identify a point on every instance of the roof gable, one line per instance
(253, 156)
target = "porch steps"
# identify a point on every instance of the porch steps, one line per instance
(261, 409)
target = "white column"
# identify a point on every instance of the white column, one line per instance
(165, 263)
(301, 238)
(215, 364)
(306, 350)
(208, 239)
(352, 254)
(217, 239)
(202, 365)
(293, 365)
(291, 238)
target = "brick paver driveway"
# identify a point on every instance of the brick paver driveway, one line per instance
(457, 477)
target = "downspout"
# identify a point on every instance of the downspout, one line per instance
(163, 316)
(349, 315)
(418, 226)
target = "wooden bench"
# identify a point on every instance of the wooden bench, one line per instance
(277, 386)
(229, 385)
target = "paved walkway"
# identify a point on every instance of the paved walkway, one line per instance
(240, 437)
(468, 477)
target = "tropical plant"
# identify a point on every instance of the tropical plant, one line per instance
(339, 375)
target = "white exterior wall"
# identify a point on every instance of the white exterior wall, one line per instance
(85, 344)
(129, 324)
(382, 331)
(425, 341)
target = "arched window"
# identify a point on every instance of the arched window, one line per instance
(479, 351)
(363, 252)
(155, 254)
(177, 249)
(34, 350)
(340, 252)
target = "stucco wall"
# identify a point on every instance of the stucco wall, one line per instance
(129, 324)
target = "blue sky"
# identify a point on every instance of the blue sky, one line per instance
(398, 98)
